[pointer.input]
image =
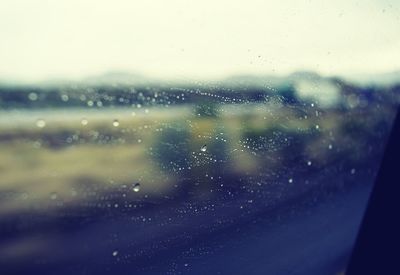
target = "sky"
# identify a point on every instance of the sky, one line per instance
(203, 39)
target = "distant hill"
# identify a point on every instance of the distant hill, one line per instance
(384, 79)
(236, 81)
(116, 77)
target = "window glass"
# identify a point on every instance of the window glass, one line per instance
(191, 137)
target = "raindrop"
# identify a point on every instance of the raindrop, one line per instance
(53, 196)
(40, 123)
(353, 171)
(24, 196)
(290, 180)
(115, 123)
(203, 148)
(115, 253)
(136, 187)
(317, 126)
(64, 97)
(84, 121)
(330, 146)
(309, 163)
(37, 144)
(33, 96)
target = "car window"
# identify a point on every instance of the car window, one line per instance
(191, 137)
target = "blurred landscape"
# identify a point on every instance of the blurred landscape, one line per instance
(191, 137)
(178, 158)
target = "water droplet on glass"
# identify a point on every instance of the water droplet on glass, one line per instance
(115, 253)
(33, 96)
(353, 171)
(317, 126)
(53, 196)
(64, 97)
(203, 148)
(330, 146)
(309, 163)
(37, 144)
(290, 180)
(84, 121)
(40, 123)
(115, 123)
(136, 187)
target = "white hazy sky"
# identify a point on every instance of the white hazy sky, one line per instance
(196, 39)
